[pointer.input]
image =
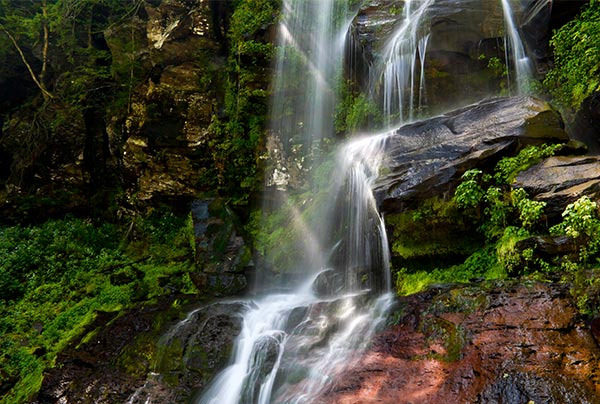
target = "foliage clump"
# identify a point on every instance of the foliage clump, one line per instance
(576, 71)
(237, 138)
(355, 111)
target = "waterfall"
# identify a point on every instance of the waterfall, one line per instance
(399, 72)
(311, 47)
(293, 345)
(398, 77)
(515, 51)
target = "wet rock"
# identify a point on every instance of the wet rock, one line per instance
(191, 353)
(144, 355)
(264, 356)
(516, 344)
(328, 283)
(528, 388)
(561, 180)
(427, 158)
(548, 247)
(222, 257)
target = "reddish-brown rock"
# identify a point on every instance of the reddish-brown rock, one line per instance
(514, 345)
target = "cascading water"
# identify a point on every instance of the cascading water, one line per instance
(311, 46)
(398, 77)
(292, 345)
(515, 51)
(403, 80)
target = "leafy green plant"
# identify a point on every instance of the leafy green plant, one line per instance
(530, 212)
(580, 218)
(469, 192)
(508, 168)
(576, 71)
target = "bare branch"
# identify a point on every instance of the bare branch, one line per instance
(40, 84)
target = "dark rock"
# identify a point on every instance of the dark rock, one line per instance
(328, 283)
(595, 329)
(427, 158)
(222, 257)
(573, 148)
(548, 247)
(530, 388)
(585, 126)
(559, 181)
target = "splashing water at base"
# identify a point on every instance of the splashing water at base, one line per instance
(292, 346)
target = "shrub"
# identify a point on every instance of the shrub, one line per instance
(576, 71)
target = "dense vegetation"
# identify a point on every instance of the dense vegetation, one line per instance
(504, 217)
(55, 277)
(63, 85)
(576, 72)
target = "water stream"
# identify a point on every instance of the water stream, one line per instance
(515, 51)
(293, 345)
(403, 63)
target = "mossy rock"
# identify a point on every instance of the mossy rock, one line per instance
(435, 234)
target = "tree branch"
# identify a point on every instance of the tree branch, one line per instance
(40, 84)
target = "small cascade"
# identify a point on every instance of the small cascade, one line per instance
(311, 42)
(402, 69)
(293, 345)
(515, 51)
(357, 223)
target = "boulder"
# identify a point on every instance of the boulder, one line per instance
(427, 158)
(561, 180)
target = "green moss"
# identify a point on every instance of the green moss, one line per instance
(434, 233)
(509, 167)
(452, 337)
(58, 275)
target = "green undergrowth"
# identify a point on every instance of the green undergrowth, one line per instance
(575, 73)
(490, 230)
(55, 277)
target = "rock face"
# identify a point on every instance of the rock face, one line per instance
(166, 127)
(559, 181)
(222, 257)
(478, 344)
(128, 362)
(427, 158)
